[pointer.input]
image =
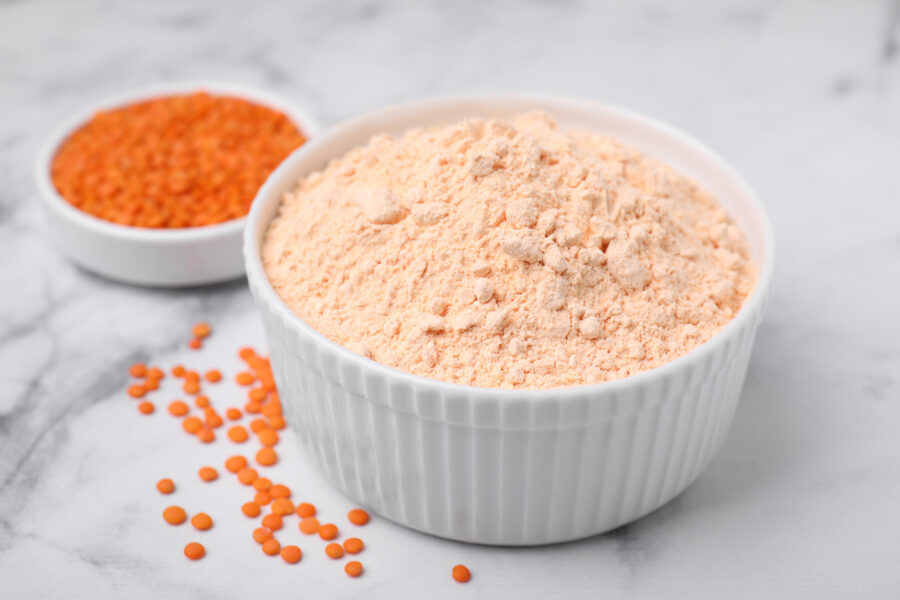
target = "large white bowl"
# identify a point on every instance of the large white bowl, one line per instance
(499, 466)
(144, 256)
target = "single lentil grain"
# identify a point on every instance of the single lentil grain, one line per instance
(353, 545)
(273, 521)
(309, 525)
(238, 434)
(261, 534)
(235, 463)
(202, 521)
(267, 437)
(358, 516)
(177, 408)
(208, 474)
(194, 551)
(174, 515)
(291, 554)
(267, 457)
(334, 550)
(271, 547)
(192, 424)
(328, 531)
(461, 573)
(247, 475)
(282, 506)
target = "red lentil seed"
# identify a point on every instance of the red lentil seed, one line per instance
(291, 554)
(329, 531)
(273, 522)
(461, 573)
(334, 550)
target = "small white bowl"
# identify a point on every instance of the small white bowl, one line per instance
(144, 256)
(506, 466)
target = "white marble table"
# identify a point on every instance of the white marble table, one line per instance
(802, 502)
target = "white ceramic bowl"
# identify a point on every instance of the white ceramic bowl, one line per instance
(157, 257)
(499, 466)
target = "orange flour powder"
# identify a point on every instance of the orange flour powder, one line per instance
(509, 255)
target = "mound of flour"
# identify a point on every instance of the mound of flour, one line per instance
(509, 255)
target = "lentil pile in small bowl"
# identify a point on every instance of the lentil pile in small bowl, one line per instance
(152, 186)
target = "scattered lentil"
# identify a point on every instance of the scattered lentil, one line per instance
(334, 550)
(208, 474)
(358, 516)
(271, 547)
(282, 506)
(309, 525)
(235, 463)
(329, 531)
(194, 551)
(202, 521)
(174, 515)
(461, 573)
(177, 408)
(238, 434)
(353, 545)
(353, 568)
(247, 475)
(273, 521)
(201, 330)
(266, 457)
(261, 534)
(291, 554)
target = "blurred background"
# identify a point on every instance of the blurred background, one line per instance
(802, 97)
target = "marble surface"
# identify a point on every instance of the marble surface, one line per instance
(803, 500)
